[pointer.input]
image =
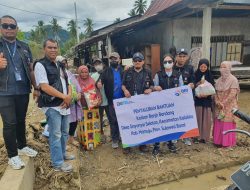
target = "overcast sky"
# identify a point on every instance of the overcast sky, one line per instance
(102, 12)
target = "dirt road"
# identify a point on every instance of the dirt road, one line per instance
(106, 168)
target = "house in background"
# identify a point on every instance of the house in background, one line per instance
(215, 29)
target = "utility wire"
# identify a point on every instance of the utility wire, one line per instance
(44, 14)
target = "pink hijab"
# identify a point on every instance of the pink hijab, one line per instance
(227, 80)
(84, 83)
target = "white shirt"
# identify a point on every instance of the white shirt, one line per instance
(41, 77)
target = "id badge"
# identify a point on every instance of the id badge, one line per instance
(18, 75)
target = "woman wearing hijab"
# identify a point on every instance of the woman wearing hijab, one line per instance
(87, 84)
(227, 90)
(203, 104)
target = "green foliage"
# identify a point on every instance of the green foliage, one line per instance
(36, 49)
(132, 13)
(88, 24)
(117, 20)
(72, 28)
(55, 28)
(66, 49)
(140, 6)
(20, 35)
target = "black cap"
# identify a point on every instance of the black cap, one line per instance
(182, 51)
(138, 55)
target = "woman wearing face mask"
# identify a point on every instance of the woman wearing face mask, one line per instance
(99, 67)
(227, 91)
(165, 79)
(203, 104)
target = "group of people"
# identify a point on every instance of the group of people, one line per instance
(62, 96)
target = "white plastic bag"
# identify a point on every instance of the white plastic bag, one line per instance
(205, 89)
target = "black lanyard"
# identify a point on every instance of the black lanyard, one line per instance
(12, 55)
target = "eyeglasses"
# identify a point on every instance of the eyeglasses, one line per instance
(137, 60)
(170, 61)
(8, 26)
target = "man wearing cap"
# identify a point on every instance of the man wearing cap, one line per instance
(137, 80)
(99, 67)
(111, 79)
(186, 73)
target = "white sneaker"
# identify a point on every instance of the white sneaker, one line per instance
(187, 142)
(27, 151)
(115, 145)
(16, 163)
(65, 167)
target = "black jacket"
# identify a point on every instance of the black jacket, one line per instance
(187, 72)
(166, 82)
(107, 78)
(129, 81)
(25, 54)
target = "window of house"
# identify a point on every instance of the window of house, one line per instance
(222, 48)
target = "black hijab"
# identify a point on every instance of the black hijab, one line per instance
(208, 75)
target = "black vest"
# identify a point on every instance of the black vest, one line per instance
(166, 82)
(130, 81)
(53, 75)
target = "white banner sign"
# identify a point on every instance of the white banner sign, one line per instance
(159, 116)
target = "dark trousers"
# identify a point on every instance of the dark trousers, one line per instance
(13, 111)
(101, 111)
(115, 134)
(72, 128)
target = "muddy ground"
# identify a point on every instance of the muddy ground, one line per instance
(106, 168)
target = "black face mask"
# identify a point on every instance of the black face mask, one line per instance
(114, 64)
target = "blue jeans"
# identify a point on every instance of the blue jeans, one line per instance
(58, 135)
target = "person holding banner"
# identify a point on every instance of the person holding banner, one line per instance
(227, 91)
(203, 104)
(137, 80)
(165, 79)
(186, 72)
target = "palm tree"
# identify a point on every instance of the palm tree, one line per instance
(40, 29)
(132, 13)
(117, 20)
(33, 35)
(72, 28)
(88, 23)
(140, 6)
(55, 28)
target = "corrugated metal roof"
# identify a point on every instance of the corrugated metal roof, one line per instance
(159, 5)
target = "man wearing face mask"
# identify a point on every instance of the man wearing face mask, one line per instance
(99, 67)
(165, 79)
(137, 80)
(111, 79)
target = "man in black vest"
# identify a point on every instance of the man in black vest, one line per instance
(54, 99)
(15, 86)
(186, 72)
(137, 80)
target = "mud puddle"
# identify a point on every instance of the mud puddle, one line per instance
(217, 180)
